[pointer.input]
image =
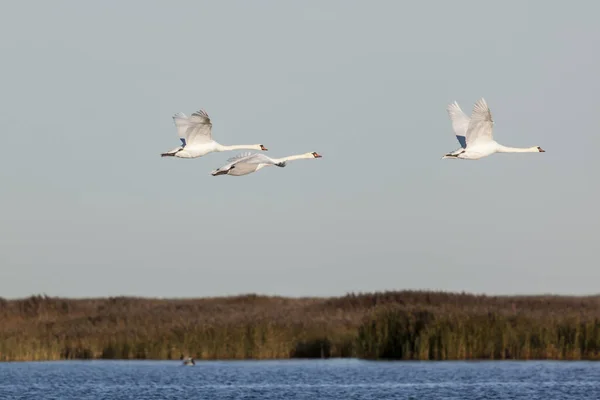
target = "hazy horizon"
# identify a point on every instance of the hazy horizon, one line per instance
(90, 209)
(299, 297)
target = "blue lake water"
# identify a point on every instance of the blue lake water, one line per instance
(300, 379)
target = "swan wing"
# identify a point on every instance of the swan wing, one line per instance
(250, 158)
(242, 158)
(199, 129)
(460, 123)
(181, 123)
(239, 157)
(240, 164)
(245, 163)
(481, 124)
(243, 169)
(257, 158)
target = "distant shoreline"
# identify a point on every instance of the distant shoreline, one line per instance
(291, 360)
(403, 325)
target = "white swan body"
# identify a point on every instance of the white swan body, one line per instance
(479, 137)
(195, 134)
(247, 163)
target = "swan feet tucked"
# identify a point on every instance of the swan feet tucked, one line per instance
(171, 154)
(453, 155)
(222, 171)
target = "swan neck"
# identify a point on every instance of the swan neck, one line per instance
(504, 149)
(296, 157)
(221, 147)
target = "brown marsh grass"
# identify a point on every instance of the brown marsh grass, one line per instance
(392, 325)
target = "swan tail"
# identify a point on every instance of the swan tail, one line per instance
(218, 172)
(171, 153)
(450, 155)
(454, 154)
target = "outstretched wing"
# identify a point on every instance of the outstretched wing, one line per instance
(243, 169)
(481, 124)
(240, 156)
(199, 129)
(181, 123)
(460, 123)
(247, 159)
(250, 158)
(246, 163)
(239, 165)
(257, 158)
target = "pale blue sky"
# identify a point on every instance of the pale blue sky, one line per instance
(89, 208)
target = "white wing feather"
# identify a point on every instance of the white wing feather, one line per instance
(481, 124)
(240, 156)
(199, 128)
(247, 163)
(460, 121)
(181, 122)
(257, 158)
(247, 158)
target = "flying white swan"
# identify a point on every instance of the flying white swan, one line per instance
(195, 134)
(479, 139)
(460, 124)
(247, 163)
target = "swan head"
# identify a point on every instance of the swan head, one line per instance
(263, 148)
(540, 149)
(316, 155)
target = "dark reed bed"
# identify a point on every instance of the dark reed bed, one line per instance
(388, 325)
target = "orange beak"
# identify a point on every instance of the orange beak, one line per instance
(263, 148)
(317, 155)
